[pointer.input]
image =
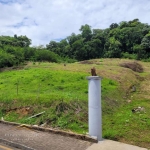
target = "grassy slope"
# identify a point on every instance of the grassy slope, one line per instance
(61, 91)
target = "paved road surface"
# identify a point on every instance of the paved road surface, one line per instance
(29, 139)
(41, 140)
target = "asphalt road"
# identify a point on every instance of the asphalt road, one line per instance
(38, 140)
(30, 139)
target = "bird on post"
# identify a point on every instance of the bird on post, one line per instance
(93, 71)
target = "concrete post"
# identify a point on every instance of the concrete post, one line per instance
(94, 104)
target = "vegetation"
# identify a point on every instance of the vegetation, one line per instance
(15, 51)
(124, 40)
(62, 92)
(53, 79)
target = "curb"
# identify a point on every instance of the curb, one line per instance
(60, 132)
(15, 145)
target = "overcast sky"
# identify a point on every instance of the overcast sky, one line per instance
(46, 20)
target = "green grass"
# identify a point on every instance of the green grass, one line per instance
(62, 92)
(125, 125)
(36, 84)
(45, 90)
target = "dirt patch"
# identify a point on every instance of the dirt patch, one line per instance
(92, 61)
(22, 111)
(133, 66)
(25, 111)
(12, 68)
(86, 62)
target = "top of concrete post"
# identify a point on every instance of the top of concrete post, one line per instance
(93, 78)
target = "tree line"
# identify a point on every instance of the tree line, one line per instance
(124, 40)
(16, 50)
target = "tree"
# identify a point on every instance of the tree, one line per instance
(78, 50)
(96, 48)
(15, 36)
(145, 43)
(145, 29)
(133, 23)
(54, 47)
(72, 38)
(29, 53)
(128, 38)
(144, 52)
(113, 25)
(123, 24)
(23, 41)
(114, 48)
(86, 32)
(6, 60)
(62, 45)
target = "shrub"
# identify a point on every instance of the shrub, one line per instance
(146, 60)
(130, 56)
(133, 66)
(69, 60)
(45, 55)
(6, 60)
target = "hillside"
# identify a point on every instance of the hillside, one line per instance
(61, 91)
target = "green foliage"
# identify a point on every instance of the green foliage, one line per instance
(113, 48)
(16, 41)
(68, 60)
(86, 32)
(45, 55)
(15, 50)
(29, 53)
(146, 42)
(146, 60)
(113, 25)
(6, 59)
(44, 83)
(130, 56)
(126, 39)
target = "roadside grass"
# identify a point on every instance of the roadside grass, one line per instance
(62, 92)
(131, 127)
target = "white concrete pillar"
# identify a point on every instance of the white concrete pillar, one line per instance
(94, 104)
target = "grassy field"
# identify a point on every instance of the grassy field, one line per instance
(62, 92)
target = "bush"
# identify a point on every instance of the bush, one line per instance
(146, 60)
(45, 55)
(69, 60)
(133, 66)
(6, 60)
(130, 56)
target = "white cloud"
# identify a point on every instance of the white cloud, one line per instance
(43, 21)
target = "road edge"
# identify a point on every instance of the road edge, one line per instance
(54, 131)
